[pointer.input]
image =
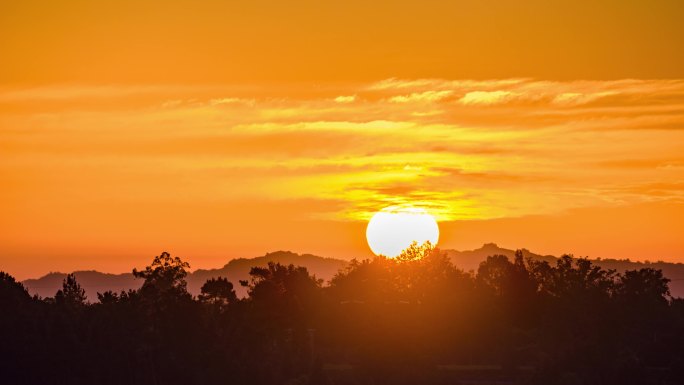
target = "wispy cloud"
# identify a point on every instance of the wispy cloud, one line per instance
(465, 149)
(417, 97)
(345, 99)
(486, 97)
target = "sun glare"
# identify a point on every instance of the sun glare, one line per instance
(393, 229)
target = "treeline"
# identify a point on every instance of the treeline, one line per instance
(416, 319)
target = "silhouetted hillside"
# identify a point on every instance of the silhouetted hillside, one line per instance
(323, 268)
(92, 281)
(469, 260)
(238, 269)
(673, 271)
(235, 270)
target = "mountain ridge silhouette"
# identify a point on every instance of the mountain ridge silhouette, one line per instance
(322, 267)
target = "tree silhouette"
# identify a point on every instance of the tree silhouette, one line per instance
(495, 273)
(644, 285)
(12, 293)
(71, 294)
(415, 251)
(218, 291)
(289, 293)
(164, 277)
(20, 343)
(108, 297)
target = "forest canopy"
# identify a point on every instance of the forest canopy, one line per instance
(414, 319)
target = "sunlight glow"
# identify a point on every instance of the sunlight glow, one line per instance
(394, 228)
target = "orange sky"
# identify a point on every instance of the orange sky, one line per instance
(216, 130)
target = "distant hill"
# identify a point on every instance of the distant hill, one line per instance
(470, 260)
(238, 269)
(324, 268)
(92, 281)
(235, 270)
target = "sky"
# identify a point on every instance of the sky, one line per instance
(217, 129)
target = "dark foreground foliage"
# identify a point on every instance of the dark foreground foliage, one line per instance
(407, 321)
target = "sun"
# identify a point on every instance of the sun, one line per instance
(393, 229)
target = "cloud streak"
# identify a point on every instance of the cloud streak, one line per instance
(466, 149)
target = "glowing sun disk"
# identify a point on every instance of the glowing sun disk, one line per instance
(392, 230)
